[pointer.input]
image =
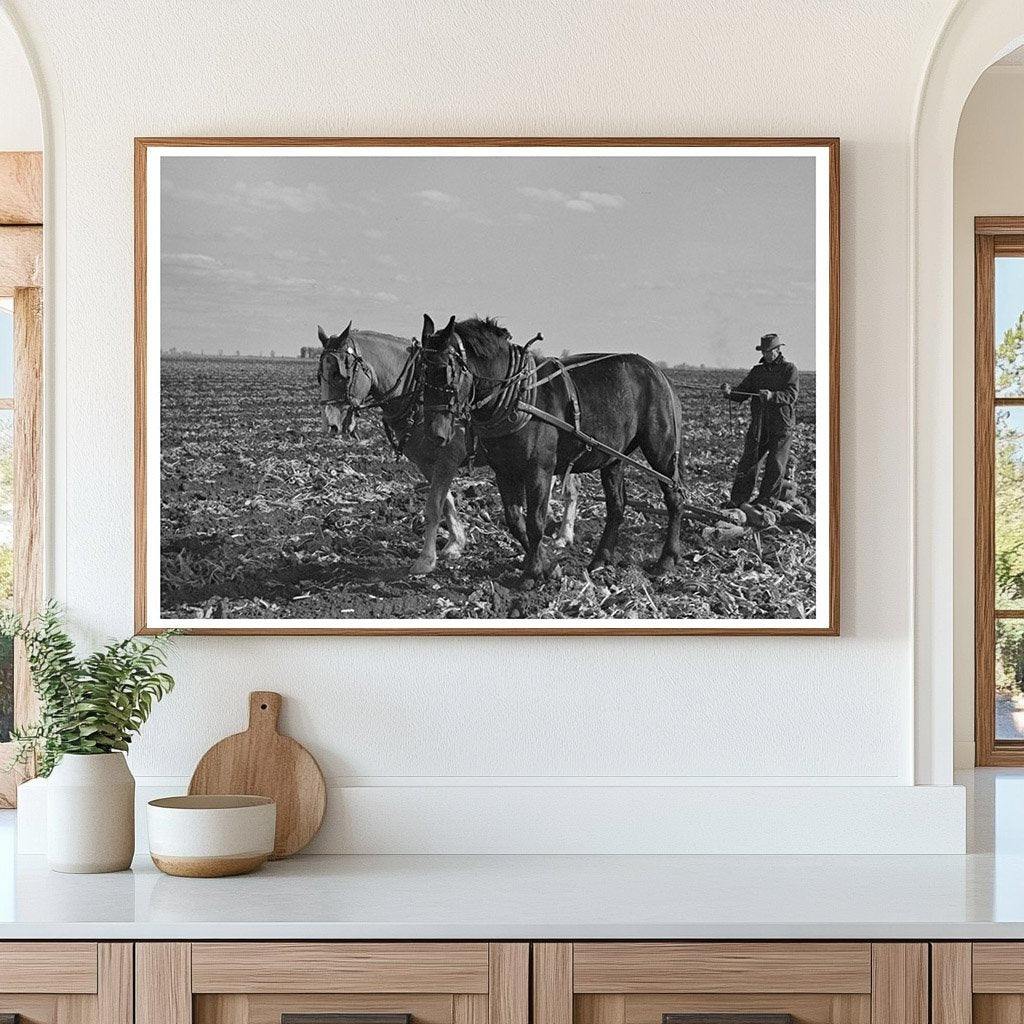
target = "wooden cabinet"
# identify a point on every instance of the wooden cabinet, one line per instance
(66, 982)
(494, 983)
(264, 982)
(756, 982)
(978, 983)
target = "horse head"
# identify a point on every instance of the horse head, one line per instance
(447, 382)
(345, 380)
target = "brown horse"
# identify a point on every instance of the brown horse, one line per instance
(362, 370)
(474, 373)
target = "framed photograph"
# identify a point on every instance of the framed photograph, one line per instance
(443, 386)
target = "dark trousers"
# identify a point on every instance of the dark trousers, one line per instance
(774, 453)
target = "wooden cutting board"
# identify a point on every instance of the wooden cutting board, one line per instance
(262, 762)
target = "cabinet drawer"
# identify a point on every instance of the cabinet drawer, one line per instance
(332, 983)
(634, 967)
(66, 982)
(730, 983)
(65, 967)
(340, 967)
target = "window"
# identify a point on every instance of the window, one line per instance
(999, 490)
(21, 371)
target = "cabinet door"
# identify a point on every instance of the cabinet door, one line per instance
(730, 983)
(332, 983)
(65, 983)
(979, 982)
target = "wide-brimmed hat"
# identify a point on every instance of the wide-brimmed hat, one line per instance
(768, 342)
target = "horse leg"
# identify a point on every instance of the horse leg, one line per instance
(538, 493)
(570, 501)
(613, 479)
(440, 480)
(663, 455)
(513, 498)
(671, 550)
(456, 532)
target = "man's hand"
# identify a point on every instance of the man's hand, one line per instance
(765, 395)
(727, 390)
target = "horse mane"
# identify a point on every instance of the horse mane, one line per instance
(484, 338)
(358, 334)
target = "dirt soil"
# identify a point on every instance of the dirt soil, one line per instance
(265, 516)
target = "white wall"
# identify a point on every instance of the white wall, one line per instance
(21, 127)
(988, 181)
(462, 712)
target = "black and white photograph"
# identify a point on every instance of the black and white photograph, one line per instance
(449, 387)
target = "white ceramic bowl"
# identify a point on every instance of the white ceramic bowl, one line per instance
(211, 836)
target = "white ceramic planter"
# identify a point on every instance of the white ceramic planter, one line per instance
(90, 814)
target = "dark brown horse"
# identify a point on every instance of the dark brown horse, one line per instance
(474, 373)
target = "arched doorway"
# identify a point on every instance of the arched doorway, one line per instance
(976, 34)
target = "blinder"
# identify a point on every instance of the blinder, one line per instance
(348, 362)
(446, 389)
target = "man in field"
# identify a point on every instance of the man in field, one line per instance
(772, 387)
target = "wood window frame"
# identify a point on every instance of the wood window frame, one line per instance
(21, 278)
(993, 237)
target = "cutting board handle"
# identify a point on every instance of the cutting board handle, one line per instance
(264, 710)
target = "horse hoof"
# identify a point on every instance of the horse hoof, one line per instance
(451, 552)
(599, 562)
(422, 568)
(563, 542)
(663, 566)
(527, 582)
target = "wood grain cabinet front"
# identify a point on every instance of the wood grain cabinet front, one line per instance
(730, 983)
(978, 983)
(332, 983)
(66, 982)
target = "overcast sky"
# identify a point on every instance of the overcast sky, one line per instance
(685, 259)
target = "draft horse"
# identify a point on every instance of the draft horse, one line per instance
(361, 370)
(473, 373)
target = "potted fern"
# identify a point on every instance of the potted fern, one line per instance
(90, 708)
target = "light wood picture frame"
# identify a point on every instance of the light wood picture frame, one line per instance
(192, 193)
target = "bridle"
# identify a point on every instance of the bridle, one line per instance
(497, 412)
(348, 349)
(444, 375)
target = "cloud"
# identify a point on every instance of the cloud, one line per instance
(384, 297)
(546, 195)
(603, 199)
(270, 196)
(290, 256)
(265, 196)
(188, 259)
(292, 283)
(374, 233)
(581, 202)
(197, 265)
(438, 200)
(387, 261)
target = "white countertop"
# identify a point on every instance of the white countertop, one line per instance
(977, 896)
(516, 897)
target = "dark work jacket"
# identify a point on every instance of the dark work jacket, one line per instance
(780, 378)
